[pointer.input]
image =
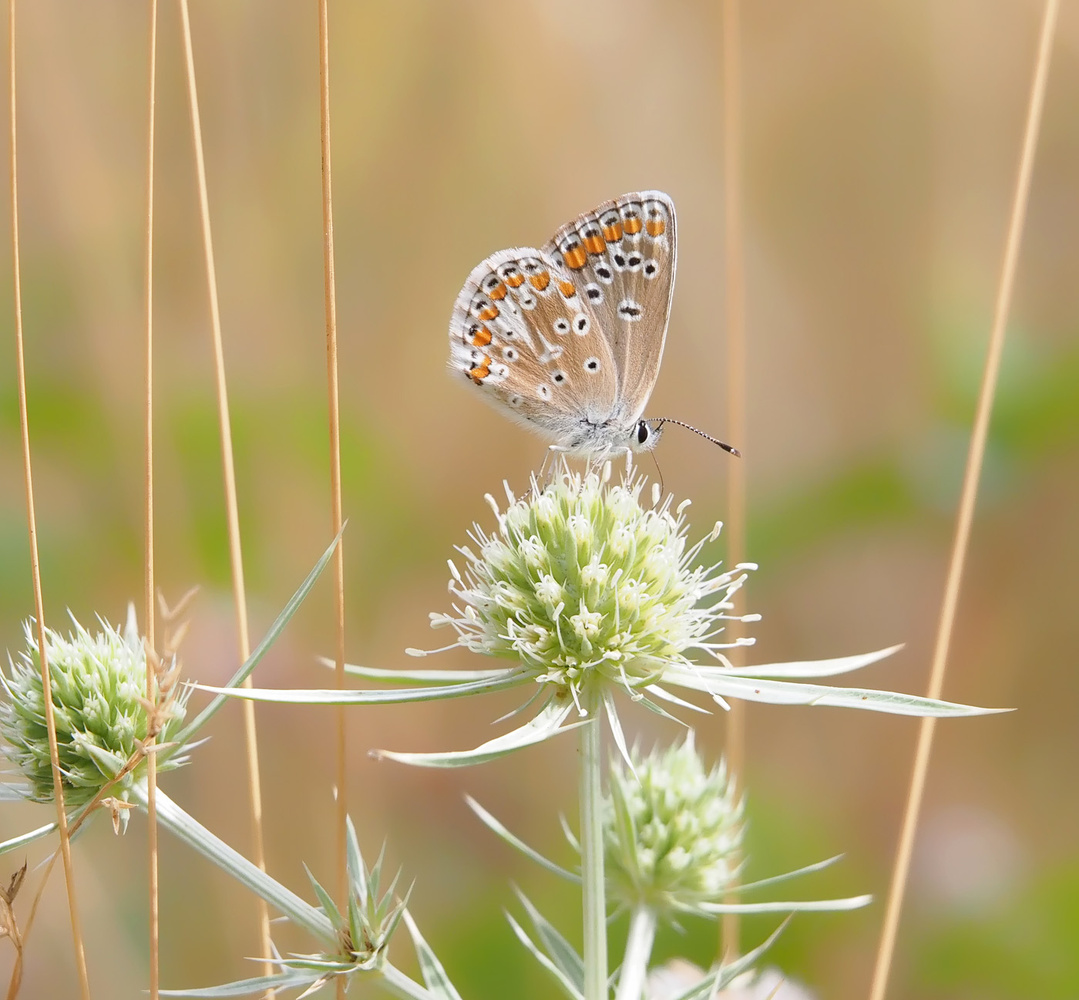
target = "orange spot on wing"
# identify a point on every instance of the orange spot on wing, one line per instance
(540, 281)
(633, 225)
(655, 227)
(498, 292)
(515, 279)
(488, 312)
(567, 288)
(594, 244)
(481, 337)
(480, 372)
(575, 258)
(613, 232)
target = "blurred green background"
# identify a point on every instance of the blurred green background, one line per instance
(881, 142)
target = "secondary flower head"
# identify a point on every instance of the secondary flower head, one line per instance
(672, 830)
(582, 583)
(98, 694)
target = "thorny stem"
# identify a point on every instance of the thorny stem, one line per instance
(642, 934)
(297, 910)
(592, 880)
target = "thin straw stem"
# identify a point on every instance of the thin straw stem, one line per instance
(232, 515)
(332, 387)
(31, 522)
(968, 496)
(734, 271)
(148, 595)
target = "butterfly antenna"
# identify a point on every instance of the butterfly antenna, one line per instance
(660, 421)
(659, 471)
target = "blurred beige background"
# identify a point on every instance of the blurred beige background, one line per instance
(881, 146)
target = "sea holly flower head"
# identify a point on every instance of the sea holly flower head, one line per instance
(583, 584)
(586, 590)
(672, 830)
(98, 683)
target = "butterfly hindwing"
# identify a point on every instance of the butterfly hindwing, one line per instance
(623, 254)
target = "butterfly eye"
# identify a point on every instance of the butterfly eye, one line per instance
(644, 432)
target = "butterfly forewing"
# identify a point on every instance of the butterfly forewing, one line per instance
(523, 332)
(624, 255)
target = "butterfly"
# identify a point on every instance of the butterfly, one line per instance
(567, 339)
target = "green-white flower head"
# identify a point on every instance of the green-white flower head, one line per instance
(98, 695)
(582, 584)
(585, 590)
(672, 830)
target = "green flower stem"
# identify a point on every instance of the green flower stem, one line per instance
(642, 935)
(195, 835)
(594, 901)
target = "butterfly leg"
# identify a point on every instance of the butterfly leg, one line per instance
(602, 462)
(544, 475)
